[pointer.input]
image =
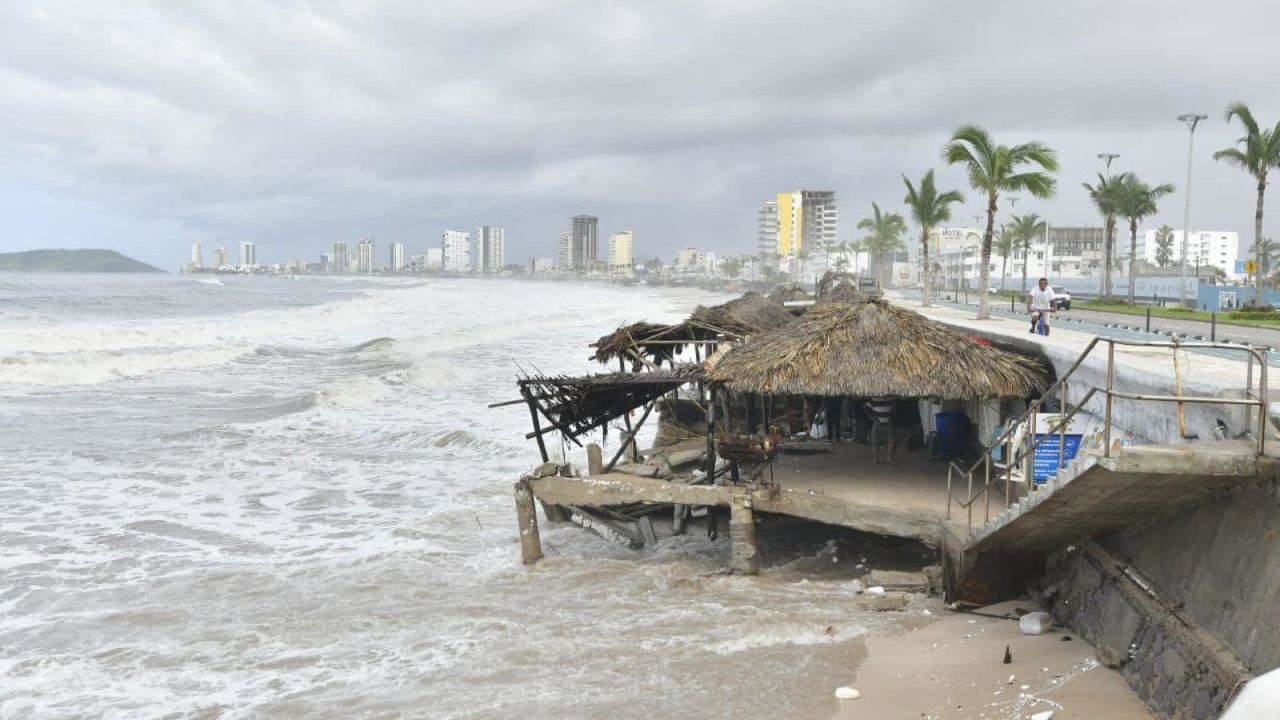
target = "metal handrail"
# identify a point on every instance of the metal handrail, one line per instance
(1016, 456)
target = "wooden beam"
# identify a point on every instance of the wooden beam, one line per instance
(621, 488)
(533, 414)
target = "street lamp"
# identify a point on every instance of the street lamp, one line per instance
(1191, 120)
(1107, 157)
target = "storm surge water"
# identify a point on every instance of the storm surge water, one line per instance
(287, 499)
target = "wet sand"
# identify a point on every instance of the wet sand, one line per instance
(953, 668)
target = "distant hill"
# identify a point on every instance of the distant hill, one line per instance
(72, 261)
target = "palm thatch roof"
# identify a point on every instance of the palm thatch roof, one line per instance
(642, 338)
(873, 349)
(845, 292)
(787, 293)
(750, 314)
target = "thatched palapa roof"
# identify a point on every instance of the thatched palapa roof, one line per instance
(873, 349)
(750, 314)
(845, 292)
(618, 344)
(785, 293)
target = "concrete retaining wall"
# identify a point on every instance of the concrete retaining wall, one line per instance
(1185, 608)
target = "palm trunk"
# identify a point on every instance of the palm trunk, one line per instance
(1106, 251)
(1004, 270)
(1133, 252)
(927, 277)
(1026, 258)
(984, 273)
(1257, 242)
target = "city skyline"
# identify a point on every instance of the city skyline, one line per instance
(108, 147)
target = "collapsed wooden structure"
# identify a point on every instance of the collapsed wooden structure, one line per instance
(751, 353)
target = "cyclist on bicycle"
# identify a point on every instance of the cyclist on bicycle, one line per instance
(1040, 303)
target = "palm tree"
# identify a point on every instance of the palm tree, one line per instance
(1261, 153)
(1270, 249)
(885, 235)
(995, 168)
(929, 209)
(1106, 197)
(1137, 200)
(1024, 229)
(1004, 243)
(1164, 246)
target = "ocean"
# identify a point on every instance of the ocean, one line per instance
(263, 497)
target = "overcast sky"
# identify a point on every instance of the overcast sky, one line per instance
(143, 126)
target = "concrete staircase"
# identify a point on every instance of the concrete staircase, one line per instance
(1138, 485)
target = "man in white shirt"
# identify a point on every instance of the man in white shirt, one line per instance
(1039, 303)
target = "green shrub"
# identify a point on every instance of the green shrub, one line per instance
(1248, 311)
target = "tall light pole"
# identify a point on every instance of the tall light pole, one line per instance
(1191, 119)
(1107, 157)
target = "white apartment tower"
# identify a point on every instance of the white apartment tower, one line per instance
(1218, 248)
(565, 252)
(456, 248)
(767, 229)
(622, 254)
(219, 256)
(490, 249)
(197, 255)
(364, 256)
(248, 254)
(397, 257)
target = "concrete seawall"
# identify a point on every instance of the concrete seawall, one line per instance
(1186, 606)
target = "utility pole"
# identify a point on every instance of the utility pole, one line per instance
(1191, 120)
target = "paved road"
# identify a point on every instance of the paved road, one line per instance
(1262, 337)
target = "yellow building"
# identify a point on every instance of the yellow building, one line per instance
(790, 224)
(806, 220)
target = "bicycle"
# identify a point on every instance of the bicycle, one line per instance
(1040, 322)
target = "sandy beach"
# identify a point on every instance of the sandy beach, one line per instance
(953, 668)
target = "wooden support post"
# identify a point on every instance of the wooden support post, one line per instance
(527, 520)
(533, 413)
(679, 518)
(595, 460)
(742, 537)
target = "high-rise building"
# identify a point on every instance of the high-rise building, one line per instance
(1218, 248)
(219, 256)
(564, 252)
(397, 257)
(341, 260)
(197, 256)
(584, 241)
(248, 254)
(490, 250)
(456, 245)
(541, 265)
(767, 229)
(435, 258)
(622, 250)
(807, 219)
(364, 256)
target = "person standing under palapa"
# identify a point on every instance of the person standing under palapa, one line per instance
(880, 410)
(833, 410)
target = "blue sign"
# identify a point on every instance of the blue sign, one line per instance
(1046, 460)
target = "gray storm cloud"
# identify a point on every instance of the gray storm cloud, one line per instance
(298, 123)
